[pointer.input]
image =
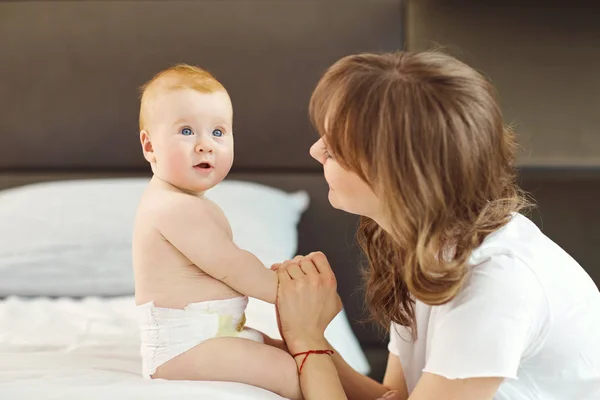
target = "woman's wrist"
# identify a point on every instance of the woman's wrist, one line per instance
(302, 343)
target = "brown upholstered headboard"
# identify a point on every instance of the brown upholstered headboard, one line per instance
(71, 70)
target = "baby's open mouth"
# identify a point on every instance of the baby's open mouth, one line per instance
(203, 165)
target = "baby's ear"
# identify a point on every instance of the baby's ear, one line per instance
(147, 146)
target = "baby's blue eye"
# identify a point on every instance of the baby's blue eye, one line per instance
(186, 132)
(217, 133)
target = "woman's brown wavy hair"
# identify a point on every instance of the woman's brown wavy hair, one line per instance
(425, 131)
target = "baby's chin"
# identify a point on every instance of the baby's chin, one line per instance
(190, 187)
(205, 184)
(197, 182)
(200, 189)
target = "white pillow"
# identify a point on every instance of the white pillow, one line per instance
(73, 238)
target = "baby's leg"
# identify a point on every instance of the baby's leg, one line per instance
(236, 360)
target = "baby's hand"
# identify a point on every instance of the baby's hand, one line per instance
(275, 267)
(391, 395)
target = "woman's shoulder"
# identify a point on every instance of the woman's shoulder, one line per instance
(503, 280)
(519, 238)
(507, 259)
(519, 254)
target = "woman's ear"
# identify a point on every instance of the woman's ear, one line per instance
(147, 148)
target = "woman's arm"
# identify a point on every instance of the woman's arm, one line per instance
(434, 387)
(318, 375)
(394, 378)
(307, 302)
(355, 385)
(361, 387)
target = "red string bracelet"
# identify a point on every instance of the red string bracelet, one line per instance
(307, 353)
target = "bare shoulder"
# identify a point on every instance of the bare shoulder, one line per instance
(187, 213)
(218, 214)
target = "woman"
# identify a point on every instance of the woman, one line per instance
(481, 304)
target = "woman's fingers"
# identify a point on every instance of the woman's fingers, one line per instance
(320, 261)
(308, 267)
(300, 266)
(294, 271)
(322, 265)
(282, 275)
(288, 262)
(391, 395)
(307, 300)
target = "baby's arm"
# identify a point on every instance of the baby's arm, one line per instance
(195, 233)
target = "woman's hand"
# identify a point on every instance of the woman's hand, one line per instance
(392, 395)
(307, 301)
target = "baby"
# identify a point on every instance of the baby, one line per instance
(191, 281)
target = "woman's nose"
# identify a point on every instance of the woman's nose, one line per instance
(315, 151)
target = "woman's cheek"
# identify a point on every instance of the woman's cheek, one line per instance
(329, 174)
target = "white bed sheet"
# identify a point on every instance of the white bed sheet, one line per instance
(89, 349)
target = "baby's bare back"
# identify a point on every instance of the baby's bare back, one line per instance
(162, 273)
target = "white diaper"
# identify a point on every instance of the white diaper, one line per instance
(167, 332)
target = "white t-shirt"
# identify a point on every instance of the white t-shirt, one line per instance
(528, 313)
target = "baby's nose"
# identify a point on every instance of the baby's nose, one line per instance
(204, 147)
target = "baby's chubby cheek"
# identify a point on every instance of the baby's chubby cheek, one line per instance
(176, 161)
(224, 163)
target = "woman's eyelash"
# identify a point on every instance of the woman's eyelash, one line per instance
(326, 153)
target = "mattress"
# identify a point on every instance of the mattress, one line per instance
(89, 349)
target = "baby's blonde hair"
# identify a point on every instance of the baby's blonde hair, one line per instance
(180, 76)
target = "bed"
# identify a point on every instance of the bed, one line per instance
(71, 171)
